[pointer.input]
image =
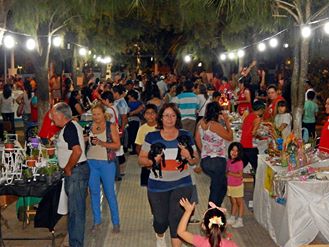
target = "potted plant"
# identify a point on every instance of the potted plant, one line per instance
(50, 149)
(27, 174)
(9, 144)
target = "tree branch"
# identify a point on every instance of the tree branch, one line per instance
(285, 3)
(289, 11)
(320, 12)
(63, 25)
(299, 10)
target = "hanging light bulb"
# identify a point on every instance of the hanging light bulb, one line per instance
(306, 32)
(274, 42)
(9, 41)
(30, 44)
(57, 41)
(187, 59)
(326, 28)
(241, 53)
(231, 55)
(83, 51)
(286, 45)
(261, 47)
(222, 57)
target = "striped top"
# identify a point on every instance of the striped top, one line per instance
(172, 178)
(188, 104)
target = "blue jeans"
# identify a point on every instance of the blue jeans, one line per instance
(102, 171)
(76, 189)
(215, 168)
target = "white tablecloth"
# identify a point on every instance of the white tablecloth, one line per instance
(305, 214)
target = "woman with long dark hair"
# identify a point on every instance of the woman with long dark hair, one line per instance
(210, 138)
(74, 103)
(165, 191)
(7, 107)
(25, 99)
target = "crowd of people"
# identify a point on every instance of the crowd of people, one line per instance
(137, 116)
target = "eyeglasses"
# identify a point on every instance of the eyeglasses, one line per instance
(169, 116)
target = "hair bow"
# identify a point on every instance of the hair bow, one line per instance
(215, 221)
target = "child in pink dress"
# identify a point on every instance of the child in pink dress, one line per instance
(235, 184)
(214, 223)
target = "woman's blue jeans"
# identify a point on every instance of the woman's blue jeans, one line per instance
(76, 187)
(215, 168)
(103, 171)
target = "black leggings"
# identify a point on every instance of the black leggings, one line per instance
(166, 209)
(9, 117)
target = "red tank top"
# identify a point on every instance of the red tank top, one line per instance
(270, 113)
(243, 106)
(247, 127)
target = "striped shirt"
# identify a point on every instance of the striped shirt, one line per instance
(172, 178)
(188, 104)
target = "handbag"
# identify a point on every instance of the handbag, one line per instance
(111, 155)
(20, 109)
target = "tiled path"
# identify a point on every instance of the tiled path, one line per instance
(136, 219)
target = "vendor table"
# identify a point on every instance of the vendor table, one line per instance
(24, 189)
(302, 217)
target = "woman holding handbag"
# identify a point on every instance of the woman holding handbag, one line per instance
(24, 104)
(104, 140)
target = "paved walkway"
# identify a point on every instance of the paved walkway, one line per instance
(136, 219)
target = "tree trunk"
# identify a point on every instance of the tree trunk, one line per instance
(4, 7)
(43, 91)
(295, 83)
(41, 65)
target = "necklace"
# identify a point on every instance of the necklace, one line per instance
(98, 128)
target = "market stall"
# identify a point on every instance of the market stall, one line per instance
(292, 206)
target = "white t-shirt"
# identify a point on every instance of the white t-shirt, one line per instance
(7, 105)
(70, 136)
(283, 118)
(203, 104)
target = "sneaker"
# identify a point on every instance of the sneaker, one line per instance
(161, 241)
(231, 220)
(238, 223)
(116, 229)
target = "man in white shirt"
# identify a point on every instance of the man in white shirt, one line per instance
(71, 157)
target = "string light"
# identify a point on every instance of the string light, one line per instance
(83, 51)
(286, 45)
(231, 55)
(326, 28)
(241, 53)
(30, 44)
(306, 32)
(9, 41)
(222, 57)
(261, 47)
(274, 42)
(187, 59)
(57, 41)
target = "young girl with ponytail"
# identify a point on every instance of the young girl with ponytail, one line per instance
(214, 222)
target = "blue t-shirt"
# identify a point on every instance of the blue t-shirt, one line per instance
(172, 178)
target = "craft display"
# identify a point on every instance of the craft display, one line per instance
(34, 161)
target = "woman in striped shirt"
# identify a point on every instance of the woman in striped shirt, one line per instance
(164, 193)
